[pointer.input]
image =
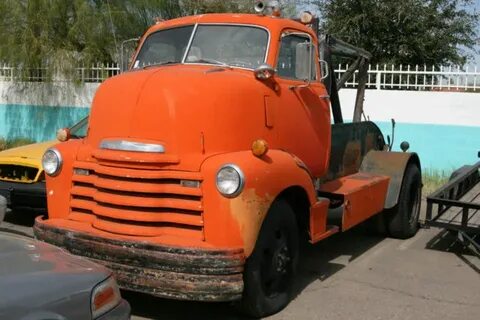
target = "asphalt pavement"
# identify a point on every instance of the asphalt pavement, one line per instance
(352, 276)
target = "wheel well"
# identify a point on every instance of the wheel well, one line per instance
(298, 200)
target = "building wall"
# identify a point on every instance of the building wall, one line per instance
(443, 127)
(37, 110)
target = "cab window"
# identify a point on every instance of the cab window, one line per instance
(294, 57)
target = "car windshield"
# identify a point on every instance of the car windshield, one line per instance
(79, 130)
(229, 45)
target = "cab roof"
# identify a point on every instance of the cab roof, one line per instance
(268, 22)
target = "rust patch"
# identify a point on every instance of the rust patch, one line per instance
(370, 141)
(352, 158)
(169, 272)
(249, 210)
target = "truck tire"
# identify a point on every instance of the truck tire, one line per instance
(271, 268)
(402, 220)
(376, 225)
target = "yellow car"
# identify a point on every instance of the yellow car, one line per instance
(22, 180)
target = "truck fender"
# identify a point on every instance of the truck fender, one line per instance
(236, 221)
(392, 164)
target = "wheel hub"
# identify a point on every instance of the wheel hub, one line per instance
(281, 260)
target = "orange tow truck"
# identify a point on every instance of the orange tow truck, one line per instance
(222, 148)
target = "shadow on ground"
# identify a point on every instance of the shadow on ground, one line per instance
(21, 218)
(318, 262)
(447, 241)
(19, 222)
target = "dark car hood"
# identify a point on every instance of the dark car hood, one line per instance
(22, 256)
(35, 276)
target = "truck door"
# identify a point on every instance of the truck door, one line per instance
(305, 109)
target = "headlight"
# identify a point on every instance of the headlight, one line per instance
(52, 162)
(105, 297)
(230, 180)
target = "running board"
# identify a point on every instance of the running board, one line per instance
(354, 198)
(330, 231)
(319, 229)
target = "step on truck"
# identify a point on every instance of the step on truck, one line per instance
(222, 148)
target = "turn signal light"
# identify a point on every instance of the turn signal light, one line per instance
(259, 147)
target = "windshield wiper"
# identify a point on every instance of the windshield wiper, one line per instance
(211, 61)
(160, 64)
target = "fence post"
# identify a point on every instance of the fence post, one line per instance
(408, 77)
(379, 79)
(475, 80)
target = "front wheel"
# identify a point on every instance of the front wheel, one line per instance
(270, 270)
(402, 220)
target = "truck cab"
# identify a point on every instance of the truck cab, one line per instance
(209, 160)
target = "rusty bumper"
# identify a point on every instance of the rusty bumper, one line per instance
(164, 271)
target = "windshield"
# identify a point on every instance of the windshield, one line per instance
(232, 45)
(79, 130)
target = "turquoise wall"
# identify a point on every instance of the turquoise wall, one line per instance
(39, 123)
(440, 147)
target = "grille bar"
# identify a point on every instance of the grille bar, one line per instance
(148, 186)
(147, 229)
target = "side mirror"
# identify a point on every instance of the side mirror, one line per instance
(324, 69)
(127, 52)
(264, 72)
(304, 53)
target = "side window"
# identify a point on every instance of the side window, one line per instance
(293, 63)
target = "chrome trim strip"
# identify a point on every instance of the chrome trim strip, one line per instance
(124, 145)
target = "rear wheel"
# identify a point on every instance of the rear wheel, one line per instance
(376, 225)
(270, 270)
(402, 220)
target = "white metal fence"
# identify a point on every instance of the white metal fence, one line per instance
(385, 77)
(421, 78)
(93, 73)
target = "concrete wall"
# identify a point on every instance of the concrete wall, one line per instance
(37, 110)
(449, 108)
(443, 127)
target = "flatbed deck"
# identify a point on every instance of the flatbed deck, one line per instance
(456, 206)
(453, 216)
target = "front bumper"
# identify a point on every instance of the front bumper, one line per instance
(164, 271)
(24, 195)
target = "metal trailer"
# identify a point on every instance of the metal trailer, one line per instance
(456, 206)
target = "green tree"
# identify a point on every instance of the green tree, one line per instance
(38, 33)
(432, 32)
